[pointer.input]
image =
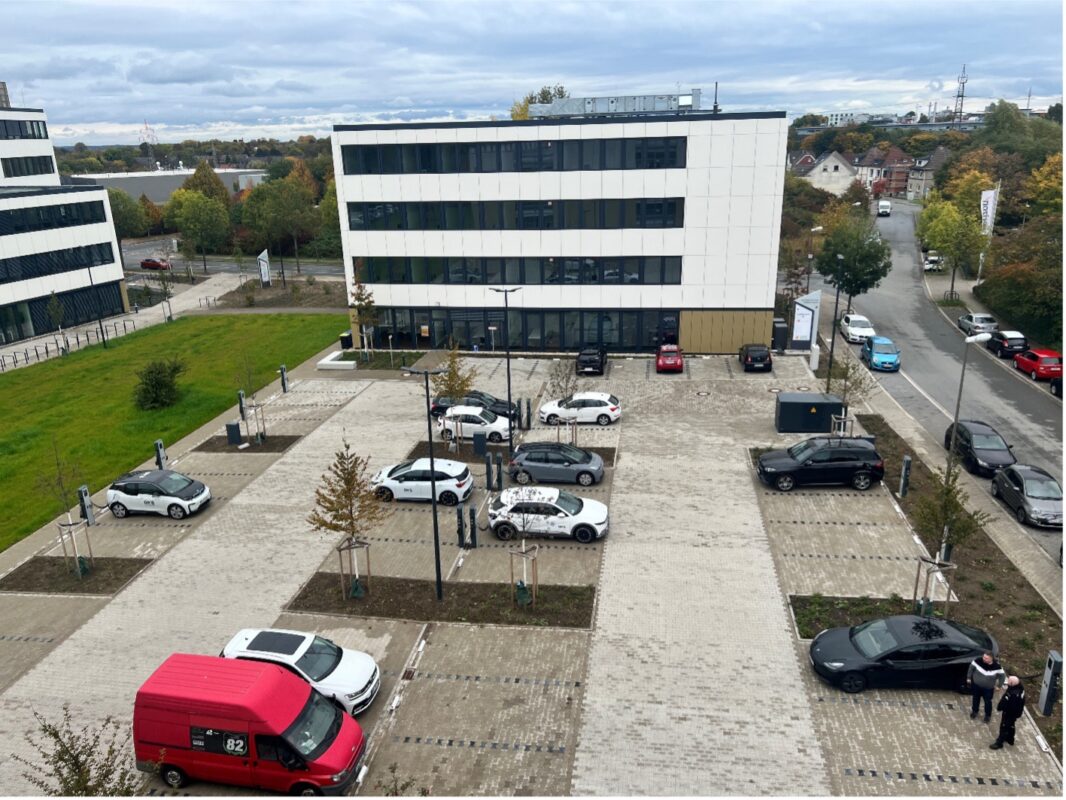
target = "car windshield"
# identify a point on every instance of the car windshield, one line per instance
(860, 322)
(1043, 489)
(988, 441)
(406, 465)
(315, 728)
(321, 658)
(873, 638)
(978, 637)
(568, 503)
(487, 415)
(884, 347)
(497, 504)
(575, 454)
(172, 483)
(801, 450)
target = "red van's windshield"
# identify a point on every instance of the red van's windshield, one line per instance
(315, 728)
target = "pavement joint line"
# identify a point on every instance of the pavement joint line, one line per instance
(933, 777)
(12, 637)
(474, 744)
(503, 679)
(849, 557)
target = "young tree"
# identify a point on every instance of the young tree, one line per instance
(521, 520)
(364, 312)
(957, 237)
(866, 258)
(157, 385)
(562, 380)
(204, 223)
(455, 382)
(345, 502)
(60, 482)
(205, 181)
(86, 762)
(851, 382)
(56, 314)
(394, 787)
(943, 517)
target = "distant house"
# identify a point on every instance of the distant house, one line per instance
(920, 178)
(887, 168)
(799, 159)
(840, 119)
(832, 172)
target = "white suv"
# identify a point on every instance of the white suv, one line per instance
(411, 480)
(349, 678)
(157, 491)
(465, 421)
(598, 407)
(540, 511)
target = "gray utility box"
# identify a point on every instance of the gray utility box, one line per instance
(346, 340)
(780, 335)
(480, 444)
(233, 432)
(806, 412)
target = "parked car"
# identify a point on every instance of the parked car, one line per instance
(412, 480)
(977, 323)
(540, 511)
(856, 328)
(474, 398)
(465, 421)
(155, 263)
(669, 359)
(933, 262)
(555, 462)
(906, 650)
(350, 678)
(980, 449)
(1055, 386)
(880, 352)
(756, 356)
(1006, 343)
(1031, 493)
(1039, 363)
(598, 407)
(822, 460)
(157, 491)
(591, 361)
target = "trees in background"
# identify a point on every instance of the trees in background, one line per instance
(520, 108)
(205, 181)
(204, 223)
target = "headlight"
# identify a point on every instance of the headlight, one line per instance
(352, 696)
(340, 776)
(833, 664)
(769, 469)
(981, 463)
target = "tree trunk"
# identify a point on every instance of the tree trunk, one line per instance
(203, 253)
(296, 249)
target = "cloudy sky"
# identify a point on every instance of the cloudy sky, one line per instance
(229, 69)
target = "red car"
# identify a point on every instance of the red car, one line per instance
(155, 263)
(1038, 363)
(669, 359)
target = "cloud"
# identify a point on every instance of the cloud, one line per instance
(62, 68)
(178, 68)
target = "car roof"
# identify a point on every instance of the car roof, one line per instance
(523, 494)
(527, 446)
(1026, 468)
(275, 642)
(444, 464)
(842, 441)
(858, 318)
(879, 340)
(1043, 351)
(456, 410)
(146, 475)
(903, 627)
(755, 345)
(669, 347)
(983, 316)
(1010, 334)
(591, 396)
(977, 425)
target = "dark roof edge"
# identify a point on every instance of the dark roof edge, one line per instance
(34, 110)
(9, 192)
(604, 120)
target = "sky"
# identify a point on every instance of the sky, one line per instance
(228, 69)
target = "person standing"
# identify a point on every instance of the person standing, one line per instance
(984, 676)
(1011, 705)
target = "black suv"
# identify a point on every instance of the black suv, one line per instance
(591, 361)
(474, 398)
(1007, 343)
(822, 460)
(980, 448)
(756, 356)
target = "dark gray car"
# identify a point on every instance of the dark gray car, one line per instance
(555, 462)
(1032, 494)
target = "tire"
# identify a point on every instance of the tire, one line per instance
(862, 481)
(448, 499)
(1023, 518)
(119, 511)
(1017, 366)
(305, 789)
(553, 419)
(853, 682)
(384, 494)
(176, 512)
(1034, 376)
(585, 478)
(523, 478)
(446, 434)
(785, 483)
(1053, 390)
(947, 442)
(603, 420)
(495, 437)
(584, 534)
(994, 489)
(173, 776)
(505, 531)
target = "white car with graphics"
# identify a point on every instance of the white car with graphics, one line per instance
(540, 511)
(413, 480)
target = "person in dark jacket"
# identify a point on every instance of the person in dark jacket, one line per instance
(1011, 705)
(984, 676)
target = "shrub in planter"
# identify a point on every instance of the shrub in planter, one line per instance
(157, 385)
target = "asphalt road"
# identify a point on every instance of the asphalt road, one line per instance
(133, 252)
(1025, 414)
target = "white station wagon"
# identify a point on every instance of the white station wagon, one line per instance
(598, 407)
(465, 421)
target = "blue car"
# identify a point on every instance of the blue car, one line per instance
(880, 352)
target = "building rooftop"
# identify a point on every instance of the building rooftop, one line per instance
(604, 120)
(7, 192)
(24, 110)
(158, 172)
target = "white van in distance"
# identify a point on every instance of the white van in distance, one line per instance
(884, 208)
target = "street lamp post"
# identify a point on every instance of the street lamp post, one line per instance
(507, 342)
(432, 476)
(945, 550)
(833, 331)
(810, 253)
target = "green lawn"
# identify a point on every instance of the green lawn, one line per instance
(85, 401)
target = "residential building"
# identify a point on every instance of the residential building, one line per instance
(621, 229)
(53, 239)
(888, 169)
(839, 119)
(921, 176)
(832, 172)
(799, 160)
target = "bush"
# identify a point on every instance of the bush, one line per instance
(1029, 297)
(157, 386)
(310, 280)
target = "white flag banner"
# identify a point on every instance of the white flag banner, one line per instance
(264, 268)
(989, 199)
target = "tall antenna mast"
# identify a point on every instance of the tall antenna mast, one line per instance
(960, 95)
(148, 137)
(715, 109)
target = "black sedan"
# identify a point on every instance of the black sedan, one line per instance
(979, 447)
(906, 651)
(474, 398)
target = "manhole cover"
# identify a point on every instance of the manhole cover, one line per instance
(774, 391)
(702, 394)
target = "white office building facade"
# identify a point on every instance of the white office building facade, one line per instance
(53, 238)
(623, 231)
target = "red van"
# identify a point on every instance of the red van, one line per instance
(245, 723)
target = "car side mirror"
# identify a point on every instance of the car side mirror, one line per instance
(1010, 447)
(561, 515)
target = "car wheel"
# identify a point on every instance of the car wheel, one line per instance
(505, 531)
(495, 438)
(524, 478)
(1033, 375)
(172, 776)
(584, 534)
(994, 489)
(448, 499)
(585, 478)
(853, 682)
(1017, 365)
(603, 420)
(445, 434)
(1021, 515)
(552, 419)
(785, 483)
(118, 510)
(175, 511)
(1054, 390)
(862, 481)
(384, 494)
(306, 790)
(947, 442)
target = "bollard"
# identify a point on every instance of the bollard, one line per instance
(46, 350)
(160, 455)
(905, 476)
(473, 526)
(499, 472)
(15, 356)
(284, 379)
(459, 525)
(488, 472)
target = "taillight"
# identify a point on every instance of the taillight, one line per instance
(879, 464)
(460, 484)
(614, 408)
(748, 359)
(513, 464)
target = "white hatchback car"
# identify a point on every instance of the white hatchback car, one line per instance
(598, 407)
(540, 511)
(465, 421)
(411, 480)
(349, 678)
(856, 328)
(157, 491)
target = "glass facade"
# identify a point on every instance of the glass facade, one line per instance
(657, 270)
(53, 262)
(28, 319)
(663, 152)
(660, 212)
(27, 165)
(23, 129)
(42, 218)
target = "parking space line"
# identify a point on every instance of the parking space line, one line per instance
(473, 744)
(502, 679)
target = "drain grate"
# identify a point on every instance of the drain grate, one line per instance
(970, 780)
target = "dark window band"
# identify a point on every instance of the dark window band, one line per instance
(507, 215)
(53, 262)
(28, 165)
(43, 218)
(23, 129)
(647, 270)
(660, 152)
